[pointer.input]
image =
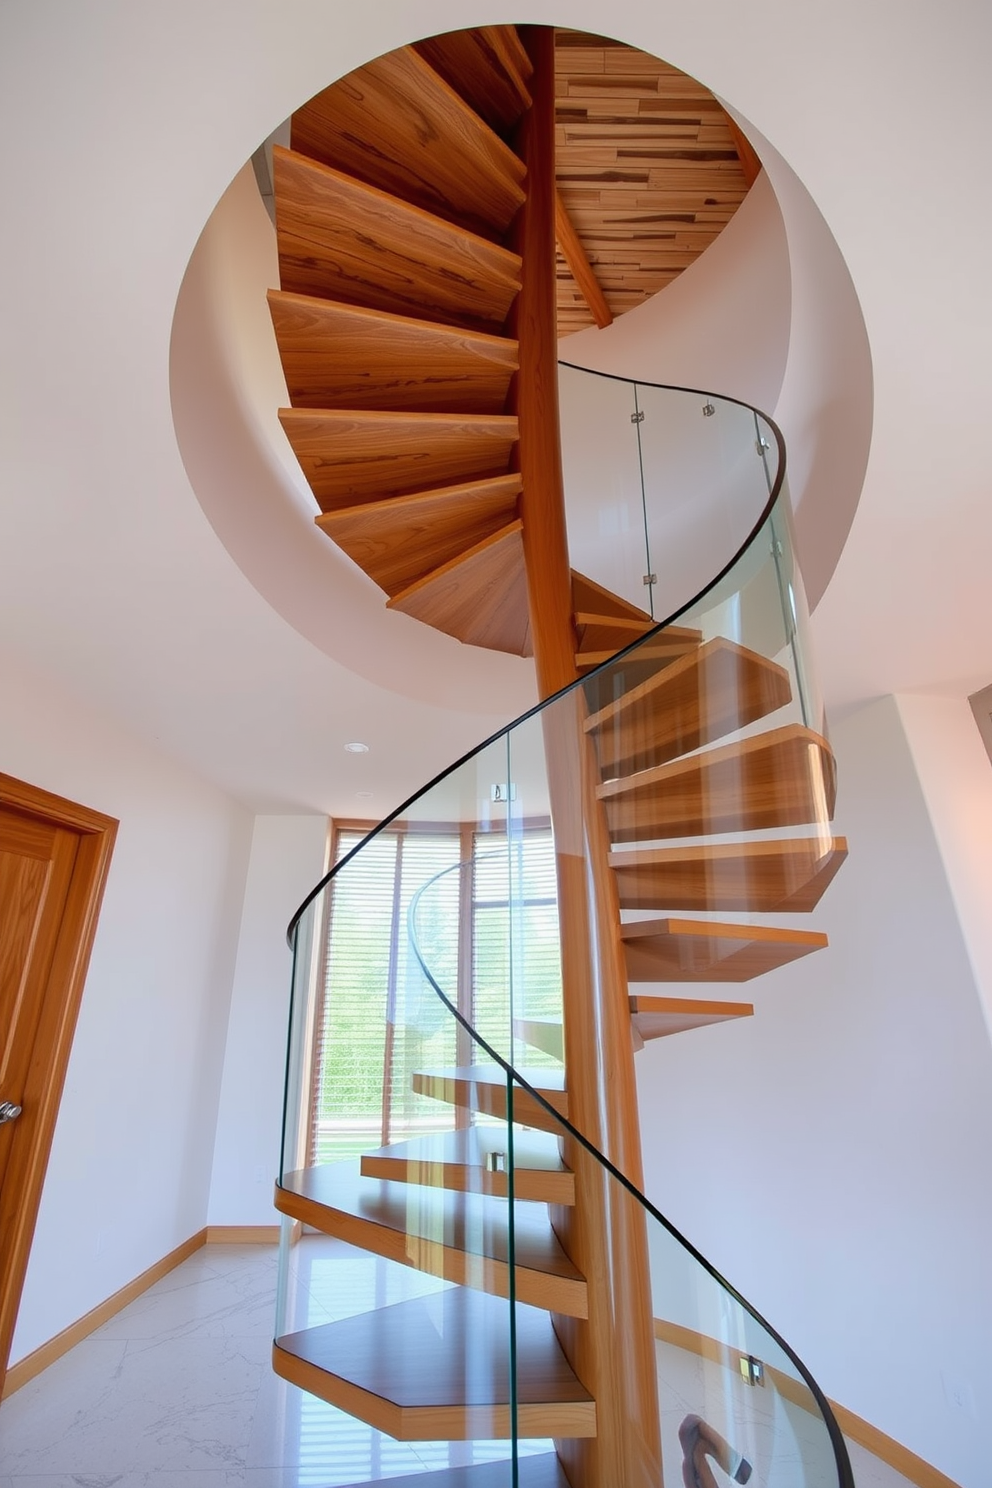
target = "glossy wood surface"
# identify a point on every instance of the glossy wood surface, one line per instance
(439, 1368)
(781, 778)
(709, 693)
(458, 1236)
(348, 356)
(546, 1034)
(660, 1017)
(488, 66)
(352, 457)
(478, 597)
(463, 1160)
(593, 598)
(343, 240)
(572, 251)
(735, 878)
(671, 950)
(54, 860)
(648, 167)
(483, 1089)
(404, 538)
(396, 124)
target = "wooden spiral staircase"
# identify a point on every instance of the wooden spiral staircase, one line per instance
(415, 320)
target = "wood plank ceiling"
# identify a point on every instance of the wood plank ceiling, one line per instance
(650, 170)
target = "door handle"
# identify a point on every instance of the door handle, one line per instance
(8, 1111)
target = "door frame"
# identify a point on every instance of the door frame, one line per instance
(61, 998)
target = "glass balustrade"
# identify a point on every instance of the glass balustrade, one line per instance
(438, 1181)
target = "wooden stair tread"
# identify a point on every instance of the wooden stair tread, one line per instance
(344, 240)
(781, 778)
(488, 66)
(480, 597)
(737, 877)
(710, 692)
(543, 1470)
(482, 1088)
(659, 1017)
(546, 1034)
(438, 1368)
(458, 1160)
(402, 539)
(458, 1236)
(350, 356)
(673, 950)
(606, 632)
(592, 598)
(353, 456)
(398, 125)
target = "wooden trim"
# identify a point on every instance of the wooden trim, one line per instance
(915, 1468)
(63, 993)
(746, 153)
(579, 266)
(267, 1234)
(32, 1364)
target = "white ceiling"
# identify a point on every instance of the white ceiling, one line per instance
(125, 124)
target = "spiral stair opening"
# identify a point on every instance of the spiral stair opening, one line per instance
(432, 242)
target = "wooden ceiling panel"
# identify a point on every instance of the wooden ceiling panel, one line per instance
(648, 168)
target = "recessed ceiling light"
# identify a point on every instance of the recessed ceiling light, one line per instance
(364, 795)
(357, 747)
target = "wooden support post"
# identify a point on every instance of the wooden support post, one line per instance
(612, 1352)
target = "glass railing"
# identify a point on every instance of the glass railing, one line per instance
(662, 484)
(439, 1182)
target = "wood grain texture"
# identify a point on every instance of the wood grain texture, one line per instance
(461, 1160)
(572, 251)
(489, 68)
(479, 597)
(735, 878)
(398, 125)
(649, 168)
(672, 950)
(351, 457)
(782, 778)
(439, 1368)
(540, 1471)
(458, 1236)
(348, 356)
(660, 1017)
(593, 598)
(483, 1089)
(400, 541)
(340, 239)
(709, 693)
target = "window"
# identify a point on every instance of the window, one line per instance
(379, 1019)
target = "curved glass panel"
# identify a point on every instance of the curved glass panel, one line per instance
(473, 1290)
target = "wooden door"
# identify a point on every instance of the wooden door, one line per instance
(54, 857)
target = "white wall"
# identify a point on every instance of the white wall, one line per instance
(833, 1155)
(287, 859)
(130, 1166)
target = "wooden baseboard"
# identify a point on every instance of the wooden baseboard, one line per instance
(915, 1468)
(242, 1234)
(32, 1364)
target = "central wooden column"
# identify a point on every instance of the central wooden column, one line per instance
(605, 1234)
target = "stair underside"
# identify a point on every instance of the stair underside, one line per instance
(353, 456)
(545, 1034)
(483, 1089)
(438, 1368)
(777, 779)
(488, 66)
(709, 693)
(592, 598)
(460, 1237)
(540, 1471)
(404, 538)
(734, 878)
(659, 1017)
(479, 597)
(708, 951)
(461, 1160)
(342, 240)
(346, 356)
(397, 125)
